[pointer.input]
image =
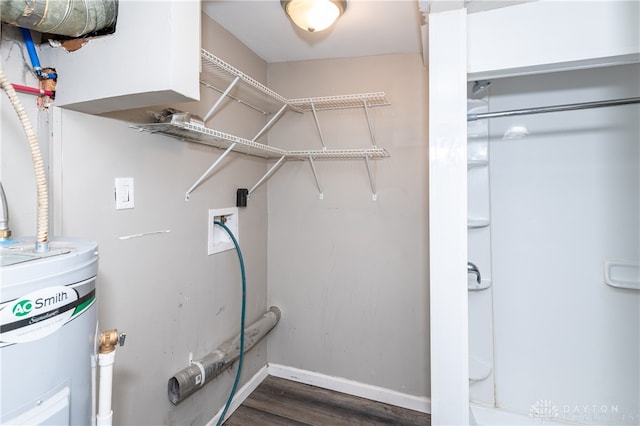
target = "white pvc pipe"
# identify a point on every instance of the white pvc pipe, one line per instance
(105, 414)
(94, 368)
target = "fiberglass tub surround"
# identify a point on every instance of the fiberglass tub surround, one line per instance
(554, 335)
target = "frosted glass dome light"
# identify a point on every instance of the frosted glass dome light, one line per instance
(314, 15)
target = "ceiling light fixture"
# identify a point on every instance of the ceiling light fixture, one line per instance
(314, 15)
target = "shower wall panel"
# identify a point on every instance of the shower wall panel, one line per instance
(565, 192)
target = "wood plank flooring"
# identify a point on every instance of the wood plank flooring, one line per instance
(278, 402)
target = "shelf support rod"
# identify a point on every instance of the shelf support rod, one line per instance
(268, 174)
(209, 171)
(374, 195)
(366, 113)
(270, 123)
(220, 99)
(315, 175)
(315, 117)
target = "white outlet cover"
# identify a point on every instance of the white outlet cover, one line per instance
(218, 239)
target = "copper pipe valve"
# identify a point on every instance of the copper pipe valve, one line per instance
(109, 339)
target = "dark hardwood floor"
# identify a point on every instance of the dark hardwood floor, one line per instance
(283, 402)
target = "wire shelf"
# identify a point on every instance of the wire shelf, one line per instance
(204, 135)
(339, 154)
(219, 74)
(340, 102)
(207, 136)
(233, 83)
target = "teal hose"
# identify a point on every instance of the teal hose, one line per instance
(244, 302)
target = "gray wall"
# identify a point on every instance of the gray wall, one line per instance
(349, 273)
(352, 272)
(162, 289)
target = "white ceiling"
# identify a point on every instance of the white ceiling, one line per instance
(368, 27)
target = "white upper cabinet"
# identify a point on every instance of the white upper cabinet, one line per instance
(545, 36)
(153, 58)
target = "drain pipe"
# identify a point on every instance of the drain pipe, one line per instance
(200, 372)
(106, 358)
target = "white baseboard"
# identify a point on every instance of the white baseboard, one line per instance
(242, 394)
(363, 390)
(338, 384)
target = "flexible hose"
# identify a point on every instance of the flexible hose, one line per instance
(5, 231)
(31, 49)
(33, 55)
(38, 165)
(244, 302)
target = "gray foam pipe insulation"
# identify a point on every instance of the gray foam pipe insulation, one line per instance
(71, 18)
(196, 375)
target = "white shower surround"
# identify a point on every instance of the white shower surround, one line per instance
(564, 200)
(518, 40)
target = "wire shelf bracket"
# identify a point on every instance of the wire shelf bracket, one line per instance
(315, 175)
(374, 194)
(315, 117)
(271, 122)
(366, 113)
(208, 171)
(267, 175)
(220, 99)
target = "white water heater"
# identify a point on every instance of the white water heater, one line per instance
(48, 327)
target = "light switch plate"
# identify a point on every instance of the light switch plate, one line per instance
(124, 193)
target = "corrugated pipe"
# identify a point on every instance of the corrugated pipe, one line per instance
(42, 243)
(71, 18)
(200, 372)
